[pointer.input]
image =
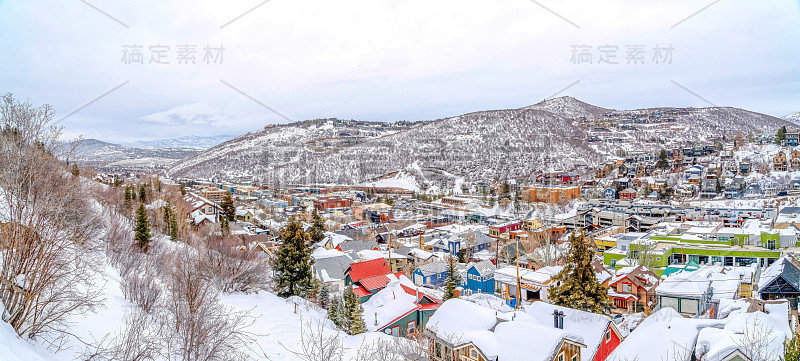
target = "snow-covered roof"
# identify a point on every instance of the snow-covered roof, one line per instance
(321, 253)
(158, 203)
(776, 269)
(664, 335)
(484, 268)
(724, 283)
(369, 254)
(421, 254)
(590, 326)
(388, 304)
(540, 276)
(717, 343)
(198, 217)
(335, 238)
(498, 335)
(432, 268)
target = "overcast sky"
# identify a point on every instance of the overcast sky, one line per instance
(386, 60)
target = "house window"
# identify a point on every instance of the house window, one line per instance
(626, 287)
(474, 354)
(608, 335)
(689, 306)
(561, 357)
(396, 331)
(412, 328)
(438, 349)
(574, 357)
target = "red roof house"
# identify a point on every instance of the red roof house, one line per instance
(367, 277)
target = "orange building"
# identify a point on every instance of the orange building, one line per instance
(550, 194)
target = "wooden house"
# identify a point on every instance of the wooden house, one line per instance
(599, 332)
(781, 280)
(485, 335)
(633, 289)
(779, 162)
(628, 194)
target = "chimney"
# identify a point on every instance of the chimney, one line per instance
(558, 319)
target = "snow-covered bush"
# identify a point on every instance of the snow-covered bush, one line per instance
(233, 267)
(143, 290)
(49, 227)
(203, 328)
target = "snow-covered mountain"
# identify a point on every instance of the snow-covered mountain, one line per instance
(550, 135)
(793, 118)
(102, 154)
(191, 141)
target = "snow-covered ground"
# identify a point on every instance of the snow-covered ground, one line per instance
(276, 327)
(401, 180)
(278, 323)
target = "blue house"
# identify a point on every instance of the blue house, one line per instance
(609, 193)
(451, 245)
(792, 139)
(433, 273)
(480, 277)
(694, 170)
(753, 190)
(745, 167)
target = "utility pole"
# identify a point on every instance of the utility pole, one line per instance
(497, 253)
(519, 291)
(389, 238)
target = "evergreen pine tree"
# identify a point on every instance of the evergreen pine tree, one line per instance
(142, 193)
(324, 296)
(173, 224)
(353, 315)
(317, 230)
(792, 349)
(313, 292)
(451, 282)
(663, 163)
(781, 136)
(224, 226)
(576, 285)
(228, 209)
(75, 171)
(167, 221)
(128, 198)
(142, 229)
(335, 311)
(293, 264)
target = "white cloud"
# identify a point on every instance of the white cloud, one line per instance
(384, 59)
(190, 114)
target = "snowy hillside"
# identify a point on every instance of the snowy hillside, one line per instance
(99, 154)
(476, 146)
(793, 118)
(191, 141)
(570, 107)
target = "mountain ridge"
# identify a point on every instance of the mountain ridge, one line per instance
(510, 143)
(189, 141)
